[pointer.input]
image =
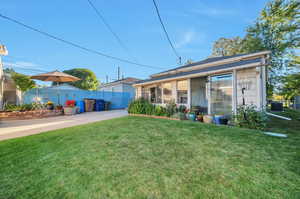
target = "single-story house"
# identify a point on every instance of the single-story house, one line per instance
(122, 85)
(215, 85)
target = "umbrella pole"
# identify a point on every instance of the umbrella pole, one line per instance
(58, 95)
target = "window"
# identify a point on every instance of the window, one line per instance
(221, 94)
(182, 89)
(152, 95)
(145, 93)
(158, 94)
(155, 94)
(167, 92)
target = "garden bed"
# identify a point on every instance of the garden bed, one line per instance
(154, 116)
(22, 115)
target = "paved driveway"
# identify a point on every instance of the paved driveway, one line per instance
(20, 128)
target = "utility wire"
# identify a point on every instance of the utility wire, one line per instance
(165, 30)
(76, 45)
(111, 30)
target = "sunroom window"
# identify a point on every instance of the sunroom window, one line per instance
(182, 92)
(167, 92)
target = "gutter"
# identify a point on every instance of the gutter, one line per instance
(199, 74)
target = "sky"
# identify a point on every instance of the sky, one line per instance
(192, 25)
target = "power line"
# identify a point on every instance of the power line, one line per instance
(77, 45)
(165, 30)
(111, 30)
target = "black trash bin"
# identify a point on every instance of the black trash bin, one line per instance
(276, 106)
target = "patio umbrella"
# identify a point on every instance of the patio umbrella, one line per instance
(57, 77)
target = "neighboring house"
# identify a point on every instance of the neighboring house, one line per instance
(214, 85)
(63, 87)
(11, 94)
(123, 85)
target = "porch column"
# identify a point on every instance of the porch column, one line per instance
(174, 90)
(234, 94)
(189, 93)
(264, 83)
(208, 92)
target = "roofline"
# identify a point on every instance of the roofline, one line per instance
(223, 61)
(202, 73)
(113, 83)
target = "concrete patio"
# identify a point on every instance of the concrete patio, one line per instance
(20, 128)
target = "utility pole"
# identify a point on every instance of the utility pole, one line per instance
(3, 52)
(118, 72)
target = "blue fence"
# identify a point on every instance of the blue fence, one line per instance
(118, 100)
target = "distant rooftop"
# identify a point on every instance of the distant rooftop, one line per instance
(127, 80)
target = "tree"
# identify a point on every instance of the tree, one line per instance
(291, 86)
(227, 46)
(276, 29)
(23, 82)
(88, 78)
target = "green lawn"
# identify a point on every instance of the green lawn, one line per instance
(134, 157)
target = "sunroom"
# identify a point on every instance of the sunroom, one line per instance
(212, 86)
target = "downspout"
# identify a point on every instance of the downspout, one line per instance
(278, 116)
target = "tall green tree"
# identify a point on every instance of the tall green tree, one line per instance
(227, 46)
(88, 78)
(23, 82)
(276, 29)
(291, 86)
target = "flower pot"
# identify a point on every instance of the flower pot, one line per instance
(200, 118)
(217, 119)
(70, 110)
(207, 119)
(50, 106)
(224, 121)
(192, 116)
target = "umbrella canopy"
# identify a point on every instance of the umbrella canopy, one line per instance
(55, 76)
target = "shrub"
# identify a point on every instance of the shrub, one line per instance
(140, 106)
(23, 107)
(247, 116)
(171, 109)
(182, 109)
(160, 111)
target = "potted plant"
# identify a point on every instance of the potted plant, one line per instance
(50, 105)
(200, 117)
(208, 118)
(192, 116)
(70, 108)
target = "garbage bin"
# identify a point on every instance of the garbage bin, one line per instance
(81, 106)
(107, 105)
(276, 106)
(99, 105)
(89, 104)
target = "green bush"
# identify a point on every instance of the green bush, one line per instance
(181, 108)
(171, 109)
(141, 106)
(160, 111)
(247, 116)
(23, 107)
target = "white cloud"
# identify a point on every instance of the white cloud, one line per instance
(187, 38)
(203, 9)
(190, 37)
(22, 65)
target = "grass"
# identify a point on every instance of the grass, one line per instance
(134, 157)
